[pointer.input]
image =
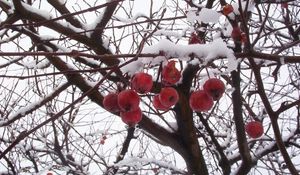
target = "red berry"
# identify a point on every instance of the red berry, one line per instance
(214, 88)
(128, 100)
(142, 82)
(131, 117)
(284, 5)
(236, 34)
(110, 102)
(243, 37)
(102, 141)
(200, 101)
(170, 74)
(168, 96)
(157, 104)
(227, 9)
(194, 39)
(254, 129)
(104, 137)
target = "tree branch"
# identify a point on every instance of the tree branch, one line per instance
(109, 10)
(63, 10)
(239, 124)
(273, 118)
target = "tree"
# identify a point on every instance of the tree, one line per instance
(59, 59)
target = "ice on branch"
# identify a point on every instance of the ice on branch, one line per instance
(205, 15)
(202, 52)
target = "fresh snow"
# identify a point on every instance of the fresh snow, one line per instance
(205, 15)
(204, 52)
(244, 4)
(26, 109)
(130, 20)
(140, 162)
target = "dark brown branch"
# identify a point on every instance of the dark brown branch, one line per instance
(63, 10)
(25, 134)
(285, 107)
(239, 123)
(66, 30)
(121, 155)
(37, 106)
(223, 162)
(109, 10)
(273, 118)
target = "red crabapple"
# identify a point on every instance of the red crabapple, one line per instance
(194, 39)
(141, 82)
(200, 101)
(157, 104)
(110, 103)
(170, 74)
(227, 9)
(243, 37)
(102, 141)
(168, 96)
(236, 33)
(254, 129)
(214, 88)
(284, 5)
(131, 117)
(128, 100)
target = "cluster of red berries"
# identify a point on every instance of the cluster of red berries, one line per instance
(103, 139)
(202, 100)
(168, 95)
(236, 34)
(127, 101)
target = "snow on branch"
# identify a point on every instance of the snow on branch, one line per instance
(204, 52)
(33, 106)
(140, 162)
